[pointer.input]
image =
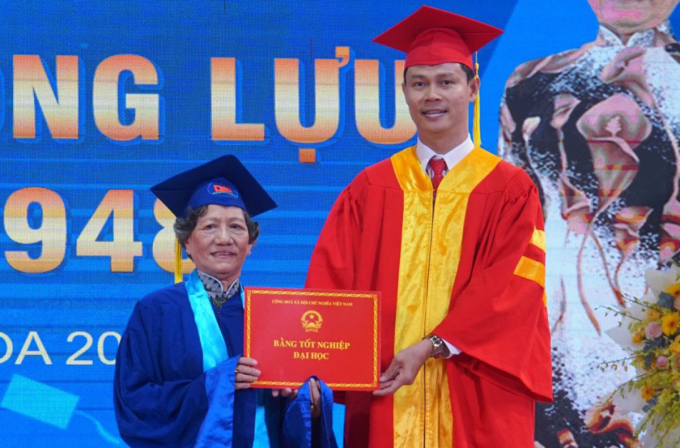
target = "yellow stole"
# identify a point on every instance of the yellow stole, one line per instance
(430, 253)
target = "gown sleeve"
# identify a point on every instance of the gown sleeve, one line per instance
(499, 319)
(334, 260)
(297, 429)
(155, 408)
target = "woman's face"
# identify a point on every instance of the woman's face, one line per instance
(220, 243)
(626, 17)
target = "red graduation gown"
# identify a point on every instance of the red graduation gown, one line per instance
(469, 268)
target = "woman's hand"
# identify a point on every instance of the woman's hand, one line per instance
(315, 398)
(292, 393)
(245, 373)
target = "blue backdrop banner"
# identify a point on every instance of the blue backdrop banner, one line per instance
(99, 100)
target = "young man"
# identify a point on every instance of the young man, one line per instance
(452, 237)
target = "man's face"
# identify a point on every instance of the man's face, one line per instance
(626, 17)
(438, 97)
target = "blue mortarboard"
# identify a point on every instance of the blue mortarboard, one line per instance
(223, 181)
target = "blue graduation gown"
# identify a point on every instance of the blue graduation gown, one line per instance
(163, 397)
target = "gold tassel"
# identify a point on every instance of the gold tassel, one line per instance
(178, 262)
(476, 114)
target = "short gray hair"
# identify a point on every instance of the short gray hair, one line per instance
(184, 226)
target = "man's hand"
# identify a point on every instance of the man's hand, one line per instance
(404, 368)
(245, 373)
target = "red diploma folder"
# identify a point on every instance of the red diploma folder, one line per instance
(297, 333)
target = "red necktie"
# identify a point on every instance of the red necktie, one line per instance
(438, 166)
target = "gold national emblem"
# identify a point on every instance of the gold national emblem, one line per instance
(311, 321)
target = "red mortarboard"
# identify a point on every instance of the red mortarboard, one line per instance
(432, 36)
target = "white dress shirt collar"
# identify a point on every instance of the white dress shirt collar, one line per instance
(451, 158)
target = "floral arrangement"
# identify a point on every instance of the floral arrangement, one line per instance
(649, 331)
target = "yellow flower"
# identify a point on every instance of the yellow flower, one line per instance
(675, 348)
(637, 337)
(653, 314)
(670, 323)
(647, 392)
(674, 290)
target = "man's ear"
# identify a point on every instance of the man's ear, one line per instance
(474, 87)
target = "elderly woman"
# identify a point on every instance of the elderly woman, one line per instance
(180, 380)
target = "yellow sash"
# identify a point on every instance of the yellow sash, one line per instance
(430, 253)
